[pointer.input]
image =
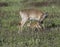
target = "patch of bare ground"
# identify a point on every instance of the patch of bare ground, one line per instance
(46, 3)
(3, 4)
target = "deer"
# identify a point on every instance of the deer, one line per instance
(31, 14)
(35, 25)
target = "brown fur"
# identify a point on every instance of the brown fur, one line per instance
(27, 14)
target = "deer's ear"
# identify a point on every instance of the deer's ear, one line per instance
(46, 14)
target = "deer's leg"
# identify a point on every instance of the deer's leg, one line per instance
(39, 27)
(23, 21)
(43, 26)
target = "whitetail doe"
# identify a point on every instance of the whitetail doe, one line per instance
(31, 14)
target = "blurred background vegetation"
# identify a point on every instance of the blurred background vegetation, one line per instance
(9, 18)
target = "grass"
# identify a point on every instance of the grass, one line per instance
(9, 18)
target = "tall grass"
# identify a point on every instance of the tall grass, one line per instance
(9, 18)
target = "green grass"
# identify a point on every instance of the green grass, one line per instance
(9, 18)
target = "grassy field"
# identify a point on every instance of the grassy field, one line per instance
(9, 18)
